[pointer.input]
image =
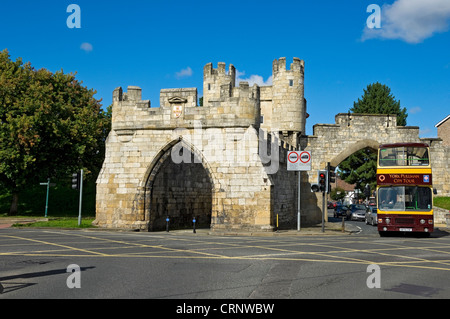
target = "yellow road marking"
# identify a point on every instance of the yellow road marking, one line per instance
(57, 245)
(410, 262)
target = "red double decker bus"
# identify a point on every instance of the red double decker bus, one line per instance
(404, 188)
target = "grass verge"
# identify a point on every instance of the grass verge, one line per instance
(61, 223)
(442, 202)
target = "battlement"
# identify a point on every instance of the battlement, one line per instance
(236, 107)
(279, 65)
(280, 107)
(209, 71)
(215, 79)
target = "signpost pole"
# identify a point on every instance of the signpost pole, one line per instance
(46, 200)
(81, 198)
(323, 212)
(299, 161)
(298, 201)
(48, 184)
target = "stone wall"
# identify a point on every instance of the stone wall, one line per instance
(129, 182)
(351, 132)
(222, 164)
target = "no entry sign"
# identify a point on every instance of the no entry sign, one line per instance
(299, 161)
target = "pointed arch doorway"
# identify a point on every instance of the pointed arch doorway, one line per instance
(178, 191)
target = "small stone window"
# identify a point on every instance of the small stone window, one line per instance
(209, 86)
(261, 119)
(291, 82)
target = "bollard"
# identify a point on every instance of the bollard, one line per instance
(343, 224)
(1, 288)
(167, 224)
(194, 225)
(277, 224)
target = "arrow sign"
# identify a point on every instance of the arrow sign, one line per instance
(299, 161)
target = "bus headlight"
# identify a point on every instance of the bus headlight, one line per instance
(387, 220)
(422, 221)
(430, 221)
(380, 220)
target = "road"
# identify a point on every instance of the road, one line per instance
(34, 264)
(359, 226)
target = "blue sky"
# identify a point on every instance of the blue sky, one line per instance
(165, 44)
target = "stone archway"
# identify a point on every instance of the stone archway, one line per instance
(180, 191)
(359, 145)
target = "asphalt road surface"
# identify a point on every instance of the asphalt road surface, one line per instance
(34, 263)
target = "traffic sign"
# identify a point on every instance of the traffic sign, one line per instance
(299, 161)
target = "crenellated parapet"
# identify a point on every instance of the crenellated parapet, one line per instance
(279, 108)
(236, 107)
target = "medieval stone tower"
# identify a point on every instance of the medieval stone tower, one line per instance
(288, 99)
(223, 163)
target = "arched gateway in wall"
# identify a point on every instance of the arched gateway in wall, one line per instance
(352, 132)
(225, 163)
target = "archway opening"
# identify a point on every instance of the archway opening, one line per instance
(181, 192)
(356, 173)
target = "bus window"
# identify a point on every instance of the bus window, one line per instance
(417, 156)
(404, 156)
(404, 198)
(388, 197)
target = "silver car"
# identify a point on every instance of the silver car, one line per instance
(358, 212)
(371, 216)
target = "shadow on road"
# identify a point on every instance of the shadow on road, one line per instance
(6, 286)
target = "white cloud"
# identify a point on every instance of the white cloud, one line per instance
(87, 47)
(415, 110)
(258, 79)
(411, 20)
(184, 73)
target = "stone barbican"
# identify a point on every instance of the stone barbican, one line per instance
(224, 163)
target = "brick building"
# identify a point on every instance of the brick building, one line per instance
(443, 128)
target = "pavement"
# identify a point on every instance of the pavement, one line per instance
(329, 229)
(6, 222)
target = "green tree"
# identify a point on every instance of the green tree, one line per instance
(360, 167)
(50, 125)
(337, 193)
(377, 99)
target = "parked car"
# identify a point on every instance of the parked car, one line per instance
(371, 216)
(342, 211)
(358, 212)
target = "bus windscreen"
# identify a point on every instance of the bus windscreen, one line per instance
(404, 198)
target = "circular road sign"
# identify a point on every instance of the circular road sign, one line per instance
(305, 157)
(293, 157)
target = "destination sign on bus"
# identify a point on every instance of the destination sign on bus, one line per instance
(405, 179)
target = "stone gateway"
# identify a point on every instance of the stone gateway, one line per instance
(224, 163)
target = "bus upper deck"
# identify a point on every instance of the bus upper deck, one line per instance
(404, 188)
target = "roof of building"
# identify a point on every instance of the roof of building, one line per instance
(442, 122)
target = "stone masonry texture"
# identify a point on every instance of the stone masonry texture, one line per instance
(224, 163)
